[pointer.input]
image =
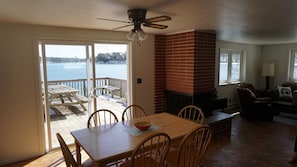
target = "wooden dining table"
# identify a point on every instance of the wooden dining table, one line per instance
(112, 142)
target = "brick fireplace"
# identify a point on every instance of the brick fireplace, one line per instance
(184, 69)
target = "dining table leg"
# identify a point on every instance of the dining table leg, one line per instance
(78, 154)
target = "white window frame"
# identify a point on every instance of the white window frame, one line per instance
(230, 52)
(293, 56)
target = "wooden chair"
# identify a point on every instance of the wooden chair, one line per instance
(193, 113)
(192, 149)
(133, 111)
(151, 152)
(69, 160)
(101, 117)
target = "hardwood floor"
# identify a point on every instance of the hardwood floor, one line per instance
(51, 159)
(252, 144)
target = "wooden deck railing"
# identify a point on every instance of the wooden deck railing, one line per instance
(81, 85)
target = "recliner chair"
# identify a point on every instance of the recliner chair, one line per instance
(252, 108)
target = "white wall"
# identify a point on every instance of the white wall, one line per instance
(20, 112)
(256, 56)
(143, 61)
(253, 65)
(278, 54)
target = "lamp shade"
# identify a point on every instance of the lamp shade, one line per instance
(268, 69)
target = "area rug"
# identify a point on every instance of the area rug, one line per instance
(286, 118)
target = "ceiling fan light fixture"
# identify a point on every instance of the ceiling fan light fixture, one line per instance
(137, 19)
(141, 35)
(131, 35)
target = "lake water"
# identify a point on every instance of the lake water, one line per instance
(65, 71)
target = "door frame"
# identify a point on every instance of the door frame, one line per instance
(47, 136)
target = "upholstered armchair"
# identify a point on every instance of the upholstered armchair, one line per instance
(253, 108)
(260, 93)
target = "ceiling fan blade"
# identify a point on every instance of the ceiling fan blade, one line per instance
(159, 26)
(122, 27)
(157, 19)
(113, 20)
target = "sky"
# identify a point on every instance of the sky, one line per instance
(78, 51)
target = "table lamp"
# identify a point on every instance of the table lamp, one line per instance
(268, 71)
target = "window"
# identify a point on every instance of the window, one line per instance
(230, 67)
(293, 66)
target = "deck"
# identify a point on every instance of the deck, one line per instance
(65, 119)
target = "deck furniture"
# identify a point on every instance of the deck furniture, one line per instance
(65, 95)
(108, 88)
(106, 144)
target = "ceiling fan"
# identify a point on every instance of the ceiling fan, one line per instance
(137, 18)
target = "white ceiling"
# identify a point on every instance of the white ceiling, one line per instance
(243, 21)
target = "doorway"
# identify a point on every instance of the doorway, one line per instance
(76, 78)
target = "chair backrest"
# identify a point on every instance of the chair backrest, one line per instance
(245, 98)
(69, 160)
(193, 113)
(102, 117)
(133, 111)
(191, 151)
(248, 86)
(151, 151)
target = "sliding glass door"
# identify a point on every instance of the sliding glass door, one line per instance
(78, 79)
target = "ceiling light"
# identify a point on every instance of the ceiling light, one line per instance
(141, 36)
(131, 35)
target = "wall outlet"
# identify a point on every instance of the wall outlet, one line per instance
(139, 80)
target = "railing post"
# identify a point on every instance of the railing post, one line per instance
(84, 88)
